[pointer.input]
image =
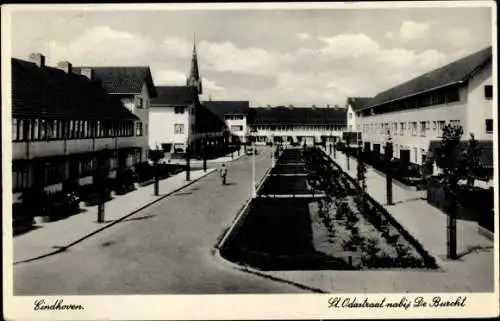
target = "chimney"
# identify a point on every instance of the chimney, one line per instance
(65, 65)
(38, 59)
(87, 72)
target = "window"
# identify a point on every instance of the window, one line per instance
(489, 125)
(350, 115)
(440, 126)
(423, 128)
(35, 129)
(15, 130)
(236, 128)
(413, 128)
(179, 128)
(192, 111)
(434, 125)
(488, 91)
(415, 153)
(455, 123)
(43, 129)
(139, 102)
(20, 178)
(179, 110)
(138, 129)
(54, 173)
(452, 95)
(22, 129)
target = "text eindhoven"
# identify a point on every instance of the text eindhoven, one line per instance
(56, 305)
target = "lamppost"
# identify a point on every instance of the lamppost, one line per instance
(334, 149)
(156, 155)
(101, 182)
(254, 192)
(388, 154)
(188, 167)
(204, 153)
(347, 142)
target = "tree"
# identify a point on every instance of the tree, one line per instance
(388, 154)
(361, 180)
(471, 160)
(101, 181)
(155, 156)
(450, 161)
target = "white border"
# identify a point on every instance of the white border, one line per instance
(294, 306)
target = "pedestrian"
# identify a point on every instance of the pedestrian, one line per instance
(223, 173)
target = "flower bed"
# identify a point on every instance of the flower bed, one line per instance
(362, 241)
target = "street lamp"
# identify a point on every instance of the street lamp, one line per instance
(188, 167)
(388, 153)
(204, 153)
(348, 142)
(156, 155)
(254, 192)
(101, 177)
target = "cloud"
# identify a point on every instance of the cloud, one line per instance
(411, 30)
(349, 45)
(325, 71)
(389, 35)
(169, 77)
(100, 45)
(459, 37)
(303, 35)
(210, 85)
(177, 47)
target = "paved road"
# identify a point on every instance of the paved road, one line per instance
(165, 249)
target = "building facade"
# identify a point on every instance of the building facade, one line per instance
(234, 114)
(61, 121)
(296, 125)
(414, 113)
(135, 88)
(172, 118)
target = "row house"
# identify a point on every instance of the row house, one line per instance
(414, 113)
(234, 114)
(61, 120)
(302, 125)
(134, 87)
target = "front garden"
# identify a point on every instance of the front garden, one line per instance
(344, 230)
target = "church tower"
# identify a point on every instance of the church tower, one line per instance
(194, 75)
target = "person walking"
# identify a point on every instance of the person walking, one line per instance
(223, 173)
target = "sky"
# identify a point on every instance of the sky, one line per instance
(296, 57)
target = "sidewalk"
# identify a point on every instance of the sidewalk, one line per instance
(51, 237)
(473, 272)
(425, 222)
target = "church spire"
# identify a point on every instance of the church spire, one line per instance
(194, 75)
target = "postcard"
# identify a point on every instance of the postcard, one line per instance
(250, 161)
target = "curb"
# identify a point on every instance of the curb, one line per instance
(241, 213)
(265, 275)
(64, 248)
(236, 223)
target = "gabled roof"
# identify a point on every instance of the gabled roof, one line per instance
(297, 116)
(123, 80)
(50, 92)
(357, 103)
(222, 108)
(174, 96)
(451, 74)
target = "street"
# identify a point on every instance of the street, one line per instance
(165, 249)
